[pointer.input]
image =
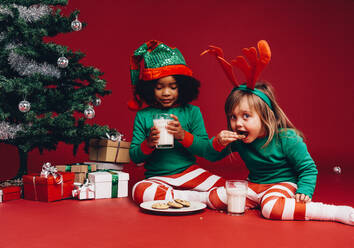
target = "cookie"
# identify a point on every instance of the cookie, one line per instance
(183, 202)
(174, 204)
(160, 205)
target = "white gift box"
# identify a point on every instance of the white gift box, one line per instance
(107, 166)
(84, 192)
(104, 188)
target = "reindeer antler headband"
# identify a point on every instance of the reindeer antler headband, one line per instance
(252, 69)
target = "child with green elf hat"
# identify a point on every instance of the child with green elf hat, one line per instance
(282, 175)
(163, 83)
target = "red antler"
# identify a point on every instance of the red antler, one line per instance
(227, 67)
(256, 65)
(252, 69)
(241, 63)
(263, 61)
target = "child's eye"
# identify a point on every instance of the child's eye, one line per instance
(245, 116)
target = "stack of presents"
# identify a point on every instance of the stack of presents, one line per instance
(100, 178)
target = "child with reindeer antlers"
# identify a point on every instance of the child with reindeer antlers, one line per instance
(282, 175)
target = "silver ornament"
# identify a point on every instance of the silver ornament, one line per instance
(89, 113)
(97, 102)
(76, 25)
(24, 106)
(337, 170)
(63, 62)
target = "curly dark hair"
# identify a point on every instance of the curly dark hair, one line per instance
(188, 90)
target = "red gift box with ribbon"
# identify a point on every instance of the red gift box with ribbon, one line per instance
(10, 193)
(50, 185)
(48, 189)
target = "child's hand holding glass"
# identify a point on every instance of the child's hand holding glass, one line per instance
(174, 127)
(153, 138)
(225, 137)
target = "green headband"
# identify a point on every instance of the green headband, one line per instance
(256, 92)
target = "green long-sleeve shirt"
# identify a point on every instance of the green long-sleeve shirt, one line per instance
(160, 162)
(285, 159)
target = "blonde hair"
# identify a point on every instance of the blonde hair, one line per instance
(272, 120)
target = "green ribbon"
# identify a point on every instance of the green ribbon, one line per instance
(256, 92)
(114, 183)
(68, 167)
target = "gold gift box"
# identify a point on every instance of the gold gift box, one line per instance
(80, 170)
(105, 150)
(80, 177)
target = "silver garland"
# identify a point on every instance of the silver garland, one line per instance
(4, 10)
(8, 131)
(12, 182)
(26, 67)
(29, 14)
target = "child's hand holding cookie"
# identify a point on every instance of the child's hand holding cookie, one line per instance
(225, 137)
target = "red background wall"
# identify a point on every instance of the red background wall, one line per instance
(311, 67)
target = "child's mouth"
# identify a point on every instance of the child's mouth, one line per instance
(166, 101)
(244, 133)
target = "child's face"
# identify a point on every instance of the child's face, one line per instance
(246, 121)
(166, 91)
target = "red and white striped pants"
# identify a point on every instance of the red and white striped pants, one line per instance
(193, 184)
(276, 201)
(196, 184)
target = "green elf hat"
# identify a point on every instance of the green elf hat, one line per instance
(154, 60)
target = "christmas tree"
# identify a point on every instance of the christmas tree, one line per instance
(46, 95)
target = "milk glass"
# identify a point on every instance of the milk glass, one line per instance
(236, 191)
(166, 139)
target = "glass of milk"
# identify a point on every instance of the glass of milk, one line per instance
(236, 191)
(166, 139)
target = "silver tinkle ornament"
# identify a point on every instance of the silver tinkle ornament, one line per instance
(89, 112)
(76, 25)
(337, 170)
(97, 102)
(63, 62)
(24, 106)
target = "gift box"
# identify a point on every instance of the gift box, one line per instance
(48, 189)
(10, 193)
(106, 166)
(80, 177)
(105, 150)
(109, 184)
(84, 191)
(80, 170)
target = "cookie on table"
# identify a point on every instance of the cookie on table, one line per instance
(173, 204)
(160, 205)
(183, 202)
